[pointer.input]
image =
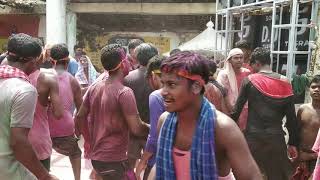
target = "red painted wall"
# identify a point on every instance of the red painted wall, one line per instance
(28, 24)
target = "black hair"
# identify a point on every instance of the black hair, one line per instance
(59, 51)
(191, 62)
(243, 44)
(40, 42)
(133, 43)
(261, 55)
(315, 79)
(154, 64)
(174, 51)
(111, 56)
(144, 52)
(212, 67)
(21, 47)
(77, 46)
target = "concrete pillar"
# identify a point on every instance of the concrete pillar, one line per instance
(42, 27)
(71, 31)
(56, 21)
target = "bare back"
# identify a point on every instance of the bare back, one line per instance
(45, 82)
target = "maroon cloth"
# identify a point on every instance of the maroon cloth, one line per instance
(7, 71)
(108, 132)
(302, 173)
(271, 87)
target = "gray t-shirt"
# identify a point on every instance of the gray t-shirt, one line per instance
(17, 106)
(136, 80)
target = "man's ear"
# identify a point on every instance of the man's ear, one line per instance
(196, 87)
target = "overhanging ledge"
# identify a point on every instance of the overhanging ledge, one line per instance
(145, 8)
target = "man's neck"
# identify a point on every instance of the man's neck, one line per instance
(266, 68)
(113, 77)
(237, 70)
(191, 113)
(17, 65)
(316, 104)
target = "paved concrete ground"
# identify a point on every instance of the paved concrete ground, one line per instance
(61, 167)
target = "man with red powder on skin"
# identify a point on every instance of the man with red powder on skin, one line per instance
(110, 112)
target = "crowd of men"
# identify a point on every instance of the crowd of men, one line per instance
(147, 116)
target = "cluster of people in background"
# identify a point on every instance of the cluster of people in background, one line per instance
(147, 116)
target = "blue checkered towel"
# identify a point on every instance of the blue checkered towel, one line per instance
(203, 161)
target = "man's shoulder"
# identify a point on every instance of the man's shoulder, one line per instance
(245, 70)
(20, 85)
(15, 87)
(156, 93)
(305, 107)
(48, 77)
(224, 122)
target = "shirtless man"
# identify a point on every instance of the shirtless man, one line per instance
(195, 140)
(309, 117)
(47, 87)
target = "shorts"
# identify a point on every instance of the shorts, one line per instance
(67, 146)
(111, 170)
(46, 163)
(136, 145)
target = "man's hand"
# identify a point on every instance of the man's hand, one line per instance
(292, 152)
(140, 167)
(307, 156)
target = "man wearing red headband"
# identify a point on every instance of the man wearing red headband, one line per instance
(196, 141)
(62, 130)
(107, 115)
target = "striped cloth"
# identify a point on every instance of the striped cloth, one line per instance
(7, 71)
(203, 161)
(92, 74)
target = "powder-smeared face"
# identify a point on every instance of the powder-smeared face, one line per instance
(176, 92)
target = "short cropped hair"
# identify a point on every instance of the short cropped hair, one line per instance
(21, 47)
(77, 46)
(154, 64)
(59, 51)
(212, 67)
(315, 79)
(261, 55)
(174, 51)
(111, 56)
(243, 44)
(133, 43)
(144, 52)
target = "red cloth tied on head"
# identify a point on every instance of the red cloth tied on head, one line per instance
(185, 74)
